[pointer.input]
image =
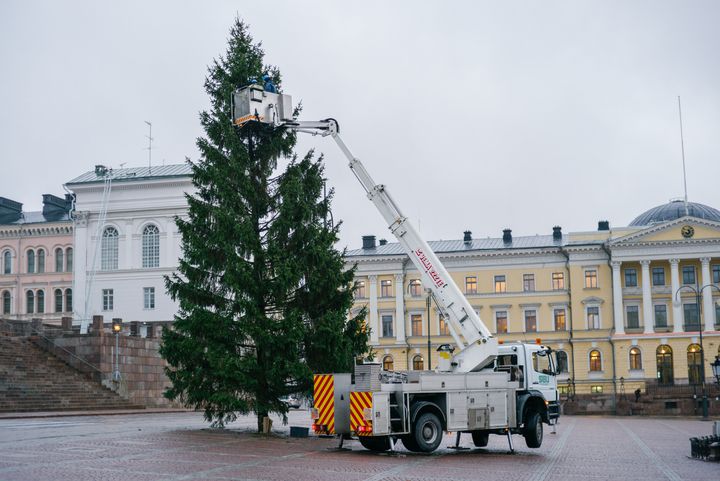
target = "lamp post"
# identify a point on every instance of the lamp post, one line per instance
(117, 327)
(704, 400)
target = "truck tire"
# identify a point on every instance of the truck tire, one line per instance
(533, 430)
(427, 433)
(409, 442)
(375, 443)
(480, 438)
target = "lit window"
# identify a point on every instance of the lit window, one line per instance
(658, 276)
(416, 324)
(415, 288)
(501, 322)
(694, 362)
(593, 317)
(591, 279)
(471, 285)
(595, 360)
(109, 249)
(58, 300)
(596, 389)
(558, 281)
(635, 359)
(360, 290)
(630, 277)
(59, 261)
(387, 325)
(660, 315)
(386, 288)
(31, 261)
(69, 259)
(688, 275)
(559, 315)
(7, 262)
(150, 246)
(68, 300)
(500, 285)
(443, 326)
(149, 297)
(388, 363)
(107, 299)
(30, 302)
(41, 260)
(417, 363)
(632, 316)
(531, 321)
(7, 302)
(528, 282)
(40, 301)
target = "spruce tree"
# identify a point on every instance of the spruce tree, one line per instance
(263, 294)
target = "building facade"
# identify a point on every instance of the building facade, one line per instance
(127, 241)
(36, 260)
(619, 305)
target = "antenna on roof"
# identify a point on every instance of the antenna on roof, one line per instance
(682, 150)
(149, 149)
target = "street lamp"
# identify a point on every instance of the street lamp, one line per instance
(117, 327)
(704, 400)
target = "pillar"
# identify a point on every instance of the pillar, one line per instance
(647, 298)
(707, 307)
(676, 304)
(618, 312)
(374, 325)
(400, 307)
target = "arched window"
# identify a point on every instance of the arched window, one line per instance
(635, 359)
(30, 261)
(151, 246)
(68, 300)
(40, 301)
(388, 363)
(69, 259)
(664, 358)
(7, 262)
(417, 363)
(59, 260)
(109, 249)
(30, 302)
(694, 359)
(41, 260)
(562, 361)
(6, 302)
(58, 300)
(595, 361)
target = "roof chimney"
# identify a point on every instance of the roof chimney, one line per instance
(383, 242)
(557, 233)
(368, 241)
(507, 236)
(467, 237)
(603, 225)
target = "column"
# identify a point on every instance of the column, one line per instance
(374, 325)
(618, 313)
(83, 252)
(400, 307)
(647, 298)
(676, 304)
(707, 307)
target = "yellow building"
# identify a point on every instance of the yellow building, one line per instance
(620, 304)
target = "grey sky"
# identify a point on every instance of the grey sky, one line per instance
(477, 115)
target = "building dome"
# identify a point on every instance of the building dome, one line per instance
(674, 210)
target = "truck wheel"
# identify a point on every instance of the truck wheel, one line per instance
(409, 442)
(533, 430)
(375, 443)
(480, 438)
(427, 433)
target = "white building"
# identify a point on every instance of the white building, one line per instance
(126, 241)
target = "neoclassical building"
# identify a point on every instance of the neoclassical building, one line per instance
(620, 305)
(36, 260)
(127, 241)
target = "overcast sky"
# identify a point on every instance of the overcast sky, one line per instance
(477, 115)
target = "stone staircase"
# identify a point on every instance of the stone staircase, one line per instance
(32, 379)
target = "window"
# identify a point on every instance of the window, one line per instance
(541, 362)
(562, 361)
(360, 290)
(387, 363)
(716, 273)
(632, 317)
(501, 322)
(41, 260)
(531, 321)
(109, 249)
(595, 361)
(68, 300)
(58, 300)
(59, 266)
(660, 315)
(30, 302)
(150, 246)
(500, 285)
(694, 361)
(7, 262)
(69, 259)
(593, 317)
(417, 363)
(149, 297)
(635, 359)
(6, 302)
(558, 281)
(415, 288)
(559, 315)
(40, 301)
(591, 280)
(528, 282)
(386, 288)
(690, 314)
(107, 299)
(658, 276)
(630, 277)
(30, 261)
(688, 275)
(387, 325)
(443, 326)
(664, 360)
(416, 324)
(471, 285)
(596, 389)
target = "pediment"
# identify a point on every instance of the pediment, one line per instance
(684, 229)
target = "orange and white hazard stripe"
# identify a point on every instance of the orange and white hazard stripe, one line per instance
(324, 397)
(360, 409)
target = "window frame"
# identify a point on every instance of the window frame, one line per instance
(500, 283)
(630, 277)
(499, 316)
(389, 332)
(591, 278)
(528, 315)
(471, 286)
(656, 275)
(359, 291)
(529, 282)
(29, 301)
(686, 271)
(655, 315)
(59, 260)
(7, 262)
(416, 321)
(418, 363)
(635, 359)
(635, 309)
(58, 296)
(40, 261)
(386, 288)
(6, 299)
(30, 264)
(109, 249)
(558, 281)
(415, 287)
(598, 324)
(68, 300)
(388, 360)
(150, 242)
(562, 310)
(595, 364)
(108, 300)
(148, 298)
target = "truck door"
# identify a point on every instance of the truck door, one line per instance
(541, 374)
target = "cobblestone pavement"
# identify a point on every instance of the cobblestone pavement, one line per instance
(179, 446)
